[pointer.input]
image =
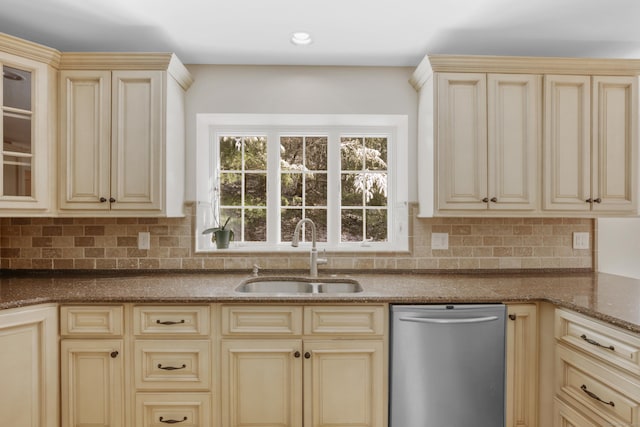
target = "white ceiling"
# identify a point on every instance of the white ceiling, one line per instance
(345, 32)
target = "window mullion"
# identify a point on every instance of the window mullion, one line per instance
(333, 188)
(273, 187)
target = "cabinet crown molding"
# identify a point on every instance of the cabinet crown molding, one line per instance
(128, 61)
(521, 64)
(30, 50)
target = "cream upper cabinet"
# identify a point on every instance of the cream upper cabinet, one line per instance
(590, 144)
(487, 141)
(122, 136)
(27, 103)
(29, 367)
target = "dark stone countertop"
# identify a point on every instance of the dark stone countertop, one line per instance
(614, 299)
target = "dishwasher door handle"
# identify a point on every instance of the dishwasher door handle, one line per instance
(445, 321)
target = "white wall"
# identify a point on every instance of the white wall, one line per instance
(619, 246)
(297, 89)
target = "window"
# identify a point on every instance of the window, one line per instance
(347, 173)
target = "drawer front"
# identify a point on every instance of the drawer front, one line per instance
(91, 321)
(169, 320)
(344, 320)
(183, 409)
(238, 320)
(586, 382)
(173, 365)
(566, 416)
(603, 341)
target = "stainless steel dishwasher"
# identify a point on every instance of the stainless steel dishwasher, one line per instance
(447, 366)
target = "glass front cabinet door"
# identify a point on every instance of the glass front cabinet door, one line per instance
(27, 131)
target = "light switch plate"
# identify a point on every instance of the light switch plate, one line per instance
(439, 241)
(581, 240)
(144, 240)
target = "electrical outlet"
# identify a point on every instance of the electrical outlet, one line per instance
(144, 240)
(581, 240)
(439, 241)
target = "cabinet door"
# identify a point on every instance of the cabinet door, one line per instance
(522, 366)
(137, 139)
(513, 140)
(29, 368)
(92, 377)
(85, 139)
(567, 143)
(615, 143)
(28, 111)
(462, 141)
(344, 383)
(261, 383)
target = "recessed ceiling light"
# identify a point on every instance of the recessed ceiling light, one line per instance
(301, 38)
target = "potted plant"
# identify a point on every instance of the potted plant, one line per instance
(221, 236)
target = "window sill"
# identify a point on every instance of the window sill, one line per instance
(304, 249)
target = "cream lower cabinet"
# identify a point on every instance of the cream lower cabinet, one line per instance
(92, 366)
(29, 367)
(590, 143)
(597, 373)
(488, 133)
(522, 365)
(326, 370)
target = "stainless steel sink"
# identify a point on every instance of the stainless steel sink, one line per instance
(298, 285)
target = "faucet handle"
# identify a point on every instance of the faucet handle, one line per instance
(256, 269)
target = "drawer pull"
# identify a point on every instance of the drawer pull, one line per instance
(596, 343)
(595, 396)
(171, 368)
(169, 322)
(162, 420)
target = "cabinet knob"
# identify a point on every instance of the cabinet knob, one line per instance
(598, 200)
(112, 200)
(114, 354)
(296, 354)
(103, 199)
(589, 200)
(307, 355)
(512, 317)
(494, 199)
(485, 200)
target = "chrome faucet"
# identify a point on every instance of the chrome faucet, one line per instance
(314, 260)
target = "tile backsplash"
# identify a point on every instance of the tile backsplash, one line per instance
(111, 243)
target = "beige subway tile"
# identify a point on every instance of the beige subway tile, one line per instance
(512, 241)
(158, 230)
(441, 253)
(493, 221)
(472, 240)
(522, 229)
(169, 241)
(492, 241)
(448, 263)
(461, 230)
(128, 263)
(192, 263)
(363, 263)
(84, 241)
(170, 263)
(127, 221)
(73, 230)
(441, 229)
(272, 263)
(52, 253)
(41, 221)
(10, 252)
(552, 221)
(10, 230)
(63, 264)
(510, 263)
(522, 252)
(179, 253)
(20, 263)
(461, 251)
(532, 240)
(52, 230)
(18, 242)
(127, 241)
(115, 230)
(84, 221)
(405, 263)
(62, 241)
(31, 252)
(455, 241)
(106, 263)
(94, 230)
(147, 221)
(543, 251)
(469, 263)
(426, 264)
(483, 252)
(41, 242)
(106, 241)
(133, 230)
(213, 263)
(72, 253)
(94, 252)
(42, 264)
(157, 252)
(502, 251)
(513, 221)
(180, 230)
(31, 230)
(84, 264)
(236, 263)
(137, 253)
(115, 252)
(150, 263)
(531, 263)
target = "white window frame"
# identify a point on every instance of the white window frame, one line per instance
(395, 127)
